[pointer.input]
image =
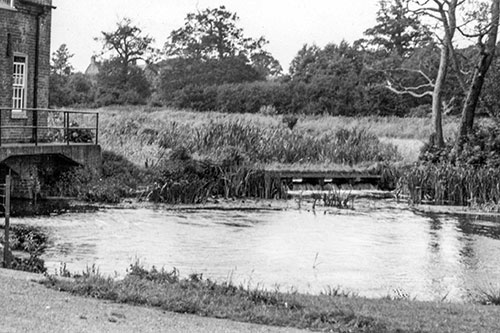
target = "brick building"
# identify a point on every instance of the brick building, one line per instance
(25, 27)
(35, 143)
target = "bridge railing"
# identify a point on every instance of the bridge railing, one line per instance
(48, 126)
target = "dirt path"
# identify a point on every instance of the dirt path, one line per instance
(27, 306)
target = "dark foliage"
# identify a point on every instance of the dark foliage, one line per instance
(119, 85)
(29, 240)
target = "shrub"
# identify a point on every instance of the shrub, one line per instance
(195, 97)
(31, 240)
(119, 178)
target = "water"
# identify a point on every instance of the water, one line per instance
(369, 251)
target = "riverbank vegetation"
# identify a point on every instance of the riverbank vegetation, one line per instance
(177, 156)
(333, 310)
(27, 244)
(471, 178)
(404, 67)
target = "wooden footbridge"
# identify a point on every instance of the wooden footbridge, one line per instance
(291, 179)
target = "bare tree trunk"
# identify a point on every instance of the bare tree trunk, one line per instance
(437, 138)
(448, 19)
(486, 57)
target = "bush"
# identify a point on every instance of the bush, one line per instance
(195, 97)
(233, 98)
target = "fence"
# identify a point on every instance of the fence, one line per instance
(45, 126)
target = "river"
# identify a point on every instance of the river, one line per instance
(369, 251)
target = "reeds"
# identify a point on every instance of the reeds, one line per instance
(274, 144)
(146, 137)
(188, 181)
(449, 184)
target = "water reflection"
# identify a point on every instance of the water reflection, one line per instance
(368, 251)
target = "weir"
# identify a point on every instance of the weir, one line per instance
(37, 145)
(291, 178)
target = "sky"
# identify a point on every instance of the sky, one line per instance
(286, 24)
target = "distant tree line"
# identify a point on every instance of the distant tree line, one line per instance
(209, 64)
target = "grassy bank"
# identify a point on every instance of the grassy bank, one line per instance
(176, 156)
(331, 311)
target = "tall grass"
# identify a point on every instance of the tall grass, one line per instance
(263, 139)
(449, 184)
(188, 181)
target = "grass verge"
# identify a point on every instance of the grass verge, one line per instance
(332, 311)
(195, 295)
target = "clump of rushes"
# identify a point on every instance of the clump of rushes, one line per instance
(470, 178)
(448, 184)
(184, 180)
(195, 295)
(489, 295)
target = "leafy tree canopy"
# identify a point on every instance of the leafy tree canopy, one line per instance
(127, 43)
(60, 61)
(215, 34)
(115, 87)
(333, 60)
(398, 29)
(120, 79)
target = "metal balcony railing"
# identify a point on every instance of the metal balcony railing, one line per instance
(48, 126)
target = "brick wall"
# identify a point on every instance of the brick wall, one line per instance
(18, 35)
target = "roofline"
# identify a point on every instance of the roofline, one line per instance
(37, 4)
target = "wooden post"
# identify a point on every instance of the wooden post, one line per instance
(267, 185)
(35, 126)
(1, 126)
(66, 126)
(97, 128)
(6, 251)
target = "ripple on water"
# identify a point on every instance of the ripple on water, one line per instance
(370, 251)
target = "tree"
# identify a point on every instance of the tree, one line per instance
(491, 90)
(120, 79)
(127, 43)
(60, 61)
(444, 12)
(60, 72)
(484, 19)
(330, 79)
(303, 61)
(398, 28)
(487, 51)
(114, 89)
(214, 34)
(178, 73)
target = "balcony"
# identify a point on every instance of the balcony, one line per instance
(69, 134)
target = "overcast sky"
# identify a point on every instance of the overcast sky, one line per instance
(286, 24)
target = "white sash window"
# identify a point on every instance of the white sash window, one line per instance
(20, 78)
